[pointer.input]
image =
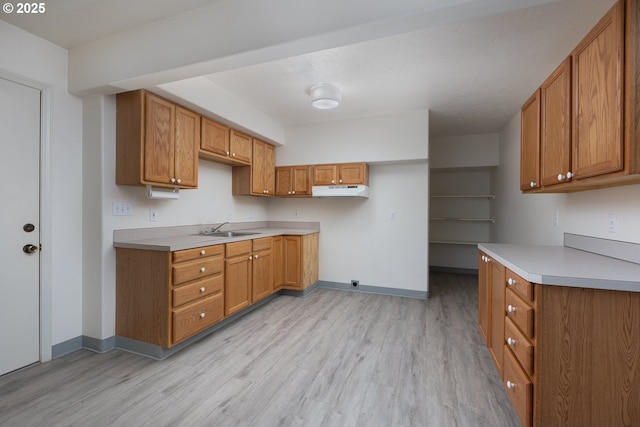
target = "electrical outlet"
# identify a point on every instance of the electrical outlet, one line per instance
(393, 216)
(355, 283)
(613, 223)
(153, 215)
(556, 219)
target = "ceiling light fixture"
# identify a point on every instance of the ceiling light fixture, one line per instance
(325, 96)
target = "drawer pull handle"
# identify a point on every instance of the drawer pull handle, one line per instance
(511, 385)
(511, 281)
(511, 341)
(202, 252)
(511, 308)
(202, 289)
(202, 315)
(202, 269)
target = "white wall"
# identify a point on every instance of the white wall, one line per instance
(357, 239)
(41, 64)
(529, 218)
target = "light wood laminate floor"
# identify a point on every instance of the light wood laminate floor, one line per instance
(334, 358)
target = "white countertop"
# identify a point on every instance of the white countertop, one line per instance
(563, 266)
(195, 240)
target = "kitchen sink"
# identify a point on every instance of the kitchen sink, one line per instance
(228, 233)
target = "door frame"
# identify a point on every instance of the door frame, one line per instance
(45, 208)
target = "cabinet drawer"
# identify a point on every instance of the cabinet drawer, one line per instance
(200, 268)
(519, 388)
(520, 313)
(238, 248)
(262, 244)
(193, 318)
(521, 347)
(195, 290)
(520, 286)
(195, 253)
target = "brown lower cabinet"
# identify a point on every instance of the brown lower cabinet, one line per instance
(164, 297)
(571, 356)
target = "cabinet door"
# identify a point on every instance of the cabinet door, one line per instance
(325, 174)
(530, 143)
(292, 258)
(300, 181)
(278, 263)
(240, 146)
(598, 64)
(262, 275)
(215, 138)
(257, 168)
(555, 126)
(352, 173)
(237, 289)
(497, 313)
(283, 181)
(159, 140)
(483, 296)
(269, 168)
(187, 141)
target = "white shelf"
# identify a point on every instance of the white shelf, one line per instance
(491, 220)
(455, 242)
(479, 196)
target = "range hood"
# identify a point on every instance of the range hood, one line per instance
(340, 191)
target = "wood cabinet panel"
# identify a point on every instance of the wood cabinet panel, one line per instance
(520, 313)
(353, 173)
(521, 347)
(199, 289)
(497, 310)
(156, 142)
(259, 178)
(237, 289)
(519, 388)
(555, 125)
(196, 253)
(193, 318)
(521, 286)
(325, 174)
(215, 138)
(278, 263)
(530, 143)
(598, 72)
(483, 295)
(293, 181)
(197, 269)
(262, 284)
(240, 146)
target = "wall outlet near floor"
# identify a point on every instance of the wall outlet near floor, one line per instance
(355, 283)
(153, 215)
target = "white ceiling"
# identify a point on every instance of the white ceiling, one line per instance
(472, 70)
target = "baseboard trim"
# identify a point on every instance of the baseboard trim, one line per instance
(66, 347)
(83, 342)
(407, 293)
(303, 293)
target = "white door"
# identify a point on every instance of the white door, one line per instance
(19, 226)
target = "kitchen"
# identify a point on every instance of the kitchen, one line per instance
(82, 296)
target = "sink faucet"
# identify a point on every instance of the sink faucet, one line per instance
(213, 230)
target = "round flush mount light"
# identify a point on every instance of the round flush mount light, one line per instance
(325, 96)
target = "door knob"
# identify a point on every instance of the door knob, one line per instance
(29, 249)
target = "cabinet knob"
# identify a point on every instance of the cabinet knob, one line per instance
(511, 308)
(202, 315)
(227, 153)
(250, 257)
(511, 281)
(202, 289)
(533, 184)
(203, 252)
(333, 181)
(569, 175)
(511, 341)
(233, 154)
(202, 269)
(510, 385)
(173, 180)
(561, 177)
(255, 256)
(179, 181)
(340, 181)
(293, 192)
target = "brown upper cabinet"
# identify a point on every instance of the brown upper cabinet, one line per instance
(587, 129)
(293, 181)
(342, 173)
(156, 142)
(259, 178)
